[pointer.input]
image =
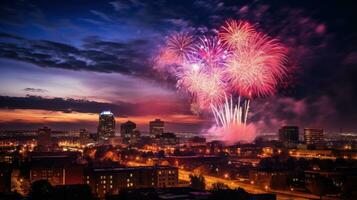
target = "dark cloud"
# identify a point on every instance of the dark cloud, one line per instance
(38, 90)
(121, 109)
(95, 55)
(270, 114)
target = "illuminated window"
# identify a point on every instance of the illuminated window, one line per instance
(131, 175)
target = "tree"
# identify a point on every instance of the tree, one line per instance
(321, 186)
(41, 190)
(197, 182)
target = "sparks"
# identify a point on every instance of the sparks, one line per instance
(235, 33)
(240, 61)
(255, 69)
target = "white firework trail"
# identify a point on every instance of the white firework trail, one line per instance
(229, 114)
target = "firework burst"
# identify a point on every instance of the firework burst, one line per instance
(240, 61)
(209, 51)
(207, 87)
(180, 44)
(234, 33)
(256, 67)
(174, 53)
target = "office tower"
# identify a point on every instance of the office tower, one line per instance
(127, 128)
(128, 132)
(314, 138)
(106, 127)
(289, 135)
(44, 142)
(156, 127)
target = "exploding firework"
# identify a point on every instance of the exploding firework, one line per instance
(174, 53)
(234, 33)
(240, 61)
(207, 87)
(210, 52)
(229, 113)
(180, 45)
(255, 68)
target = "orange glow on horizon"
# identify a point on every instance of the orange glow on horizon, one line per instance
(45, 116)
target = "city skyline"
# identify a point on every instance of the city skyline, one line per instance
(64, 64)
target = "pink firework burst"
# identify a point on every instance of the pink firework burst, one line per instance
(256, 67)
(205, 86)
(180, 44)
(235, 32)
(174, 53)
(209, 51)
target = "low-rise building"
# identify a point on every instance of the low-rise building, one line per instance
(111, 180)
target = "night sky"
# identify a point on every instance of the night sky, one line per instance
(63, 62)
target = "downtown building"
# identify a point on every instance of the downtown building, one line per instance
(289, 136)
(156, 127)
(44, 142)
(314, 138)
(112, 180)
(106, 126)
(58, 168)
(128, 133)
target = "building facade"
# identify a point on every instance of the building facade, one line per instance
(289, 135)
(111, 180)
(44, 142)
(314, 138)
(156, 127)
(128, 133)
(106, 126)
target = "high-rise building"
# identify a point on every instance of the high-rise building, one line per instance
(106, 127)
(156, 127)
(44, 142)
(314, 138)
(128, 132)
(289, 135)
(127, 128)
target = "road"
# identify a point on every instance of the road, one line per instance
(184, 175)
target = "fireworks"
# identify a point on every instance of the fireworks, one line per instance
(229, 113)
(239, 62)
(209, 52)
(256, 68)
(235, 33)
(207, 87)
(180, 45)
(175, 52)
